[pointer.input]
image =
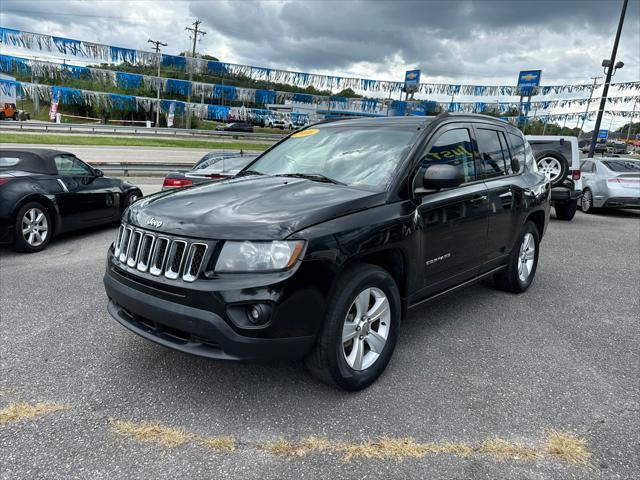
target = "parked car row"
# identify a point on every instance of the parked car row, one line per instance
(268, 122)
(612, 147)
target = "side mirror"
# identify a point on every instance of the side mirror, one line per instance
(98, 173)
(515, 165)
(437, 177)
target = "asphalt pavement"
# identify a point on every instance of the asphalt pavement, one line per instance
(470, 367)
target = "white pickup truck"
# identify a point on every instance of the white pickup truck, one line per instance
(558, 157)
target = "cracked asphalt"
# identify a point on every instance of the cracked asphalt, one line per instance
(475, 365)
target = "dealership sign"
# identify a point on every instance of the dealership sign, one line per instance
(528, 82)
(603, 134)
(412, 81)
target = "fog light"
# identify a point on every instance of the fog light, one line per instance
(257, 314)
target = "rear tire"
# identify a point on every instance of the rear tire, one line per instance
(33, 228)
(523, 261)
(352, 349)
(566, 211)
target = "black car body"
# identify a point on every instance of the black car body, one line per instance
(212, 166)
(166, 274)
(69, 193)
(235, 127)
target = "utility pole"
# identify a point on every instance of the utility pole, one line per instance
(195, 32)
(611, 65)
(156, 45)
(586, 112)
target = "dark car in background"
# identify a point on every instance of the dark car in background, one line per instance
(320, 246)
(235, 127)
(44, 192)
(213, 166)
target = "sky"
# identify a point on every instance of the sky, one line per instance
(455, 41)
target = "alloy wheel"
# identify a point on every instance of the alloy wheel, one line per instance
(550, 167)
(586, 201)
(526, 257)
(366, 328)
(35, 227)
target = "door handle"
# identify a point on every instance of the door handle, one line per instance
(477, 199)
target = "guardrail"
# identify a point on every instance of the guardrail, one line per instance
(141, 167)
(92, 128)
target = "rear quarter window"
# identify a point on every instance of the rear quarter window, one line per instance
(6, 162)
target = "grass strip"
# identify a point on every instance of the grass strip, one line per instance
(15, 412)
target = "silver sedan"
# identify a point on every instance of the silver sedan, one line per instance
(610, 182)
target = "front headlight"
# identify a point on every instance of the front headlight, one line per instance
(258, 256)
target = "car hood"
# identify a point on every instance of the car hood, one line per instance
(249, 208)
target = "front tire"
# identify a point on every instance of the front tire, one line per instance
(360, 329)
(566, 211)
(587, 201)
(33, 228)
(523, 261)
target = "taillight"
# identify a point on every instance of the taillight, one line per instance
(4, 180)
(177, 182)
(575, 174)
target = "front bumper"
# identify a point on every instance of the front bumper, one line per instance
(6, 232)
(198, 321)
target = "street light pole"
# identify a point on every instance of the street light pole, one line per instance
(157, 44)
(611, 66)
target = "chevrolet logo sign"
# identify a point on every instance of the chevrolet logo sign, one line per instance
(412, 75)
(529, 76)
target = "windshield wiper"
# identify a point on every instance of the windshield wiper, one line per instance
(316, 177)
(248, 172)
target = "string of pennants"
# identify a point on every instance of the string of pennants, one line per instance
(73, 96)
(334, 104)
(112, 54)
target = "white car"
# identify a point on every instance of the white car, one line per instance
(558, 157)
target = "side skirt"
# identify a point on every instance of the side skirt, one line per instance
(458, 287)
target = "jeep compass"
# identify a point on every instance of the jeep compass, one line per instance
(319, 247)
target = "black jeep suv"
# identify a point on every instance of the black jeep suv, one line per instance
(319, 247)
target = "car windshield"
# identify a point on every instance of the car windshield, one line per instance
(223, 164)
(352, 155)
(623, 165)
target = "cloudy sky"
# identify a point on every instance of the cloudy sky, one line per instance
(457, 41)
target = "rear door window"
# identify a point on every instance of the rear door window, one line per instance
(492, 157)
(453, 147)
(587, 166)
(6, 162)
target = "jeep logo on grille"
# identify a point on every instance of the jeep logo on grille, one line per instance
(154, 222)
